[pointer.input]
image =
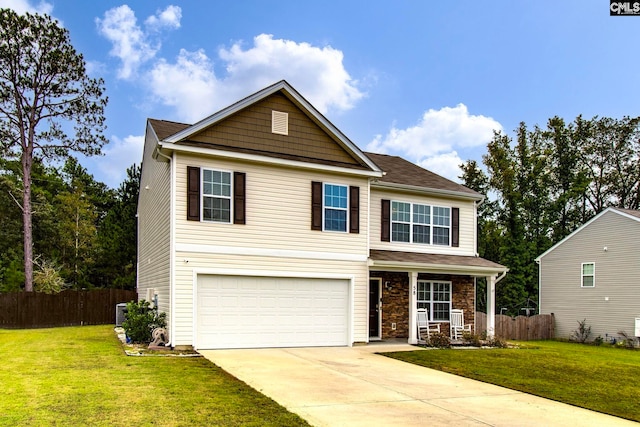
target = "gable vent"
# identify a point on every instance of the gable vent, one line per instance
(280, 122)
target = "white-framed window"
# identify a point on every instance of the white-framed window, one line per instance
(417, 223)
(400, 222)
(216, 195)
(588, 274)
(335, 205)
(435, 296)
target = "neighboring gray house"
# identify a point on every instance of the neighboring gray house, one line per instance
(594, 274)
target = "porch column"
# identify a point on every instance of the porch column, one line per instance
(491, 306)
(413, 307)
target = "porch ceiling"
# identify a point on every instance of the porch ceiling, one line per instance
(437, 263)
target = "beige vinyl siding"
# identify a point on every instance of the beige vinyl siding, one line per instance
(467, 223)
(278, 220)
(187, 264)
(278, 211)
(154, 215)
(613, 303)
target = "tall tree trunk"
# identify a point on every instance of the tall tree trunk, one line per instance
(27, 161)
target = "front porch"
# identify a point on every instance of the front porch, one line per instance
(400, 283)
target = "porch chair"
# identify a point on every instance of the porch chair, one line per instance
(457, 324)
(425, 328)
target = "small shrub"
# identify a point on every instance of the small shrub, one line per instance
(497, 342)
(141, 320)
(472, 339)
(47, 278)
(439, 340)
(598, 341)
(582, 333)
(627, 341)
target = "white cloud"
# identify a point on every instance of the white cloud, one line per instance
(318, 73)
(433, 140)
(132, 44)
(119, 154)
(191, 86)
(170, 17)
(188, 85)
(445, 164)
(22, 6)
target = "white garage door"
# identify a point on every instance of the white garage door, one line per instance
(253, 312)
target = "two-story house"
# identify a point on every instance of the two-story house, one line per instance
(263, 225)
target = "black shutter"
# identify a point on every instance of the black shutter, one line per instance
(239, 197)
(316, 205)
(354, 210)
(193, 193)
(386, 221)
(455, 227)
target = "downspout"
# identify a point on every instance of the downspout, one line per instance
(172, 327)
(159, 153)
(476, 204)
(538, 261)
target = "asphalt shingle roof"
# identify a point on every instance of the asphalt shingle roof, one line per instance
(433, 259)
(401, 171)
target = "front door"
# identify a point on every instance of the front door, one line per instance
(374, 308)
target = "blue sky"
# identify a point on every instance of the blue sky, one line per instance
(425, 80)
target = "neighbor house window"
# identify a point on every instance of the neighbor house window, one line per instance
(436, 298)
(588, 274)
(216, 196)
(335, 207)
(416, 223)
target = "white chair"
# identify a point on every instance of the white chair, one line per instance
(458, 328)
(425, 328)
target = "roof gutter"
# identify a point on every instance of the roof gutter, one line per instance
(440, 268)
(158, 153)
(265, 159)
(422, 190)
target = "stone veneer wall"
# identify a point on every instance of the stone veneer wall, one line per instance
(395, 303)
(395, 300)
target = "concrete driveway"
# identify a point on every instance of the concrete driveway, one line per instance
(353, 386)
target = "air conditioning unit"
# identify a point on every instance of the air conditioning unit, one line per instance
(121, 310)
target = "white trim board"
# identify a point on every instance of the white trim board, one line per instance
(266, 252)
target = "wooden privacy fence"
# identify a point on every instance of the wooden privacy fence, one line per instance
(68, 308)
(521, 328)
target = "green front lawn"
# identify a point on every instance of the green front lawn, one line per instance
(80, 376)
(603, 379)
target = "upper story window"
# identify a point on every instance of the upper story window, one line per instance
(216, 196)
(416, 223)
(335, 207)
(588, 274)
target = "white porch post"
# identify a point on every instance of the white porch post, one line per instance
(491, 306)
(413, 307)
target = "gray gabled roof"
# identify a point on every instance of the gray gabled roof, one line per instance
(629, 213)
